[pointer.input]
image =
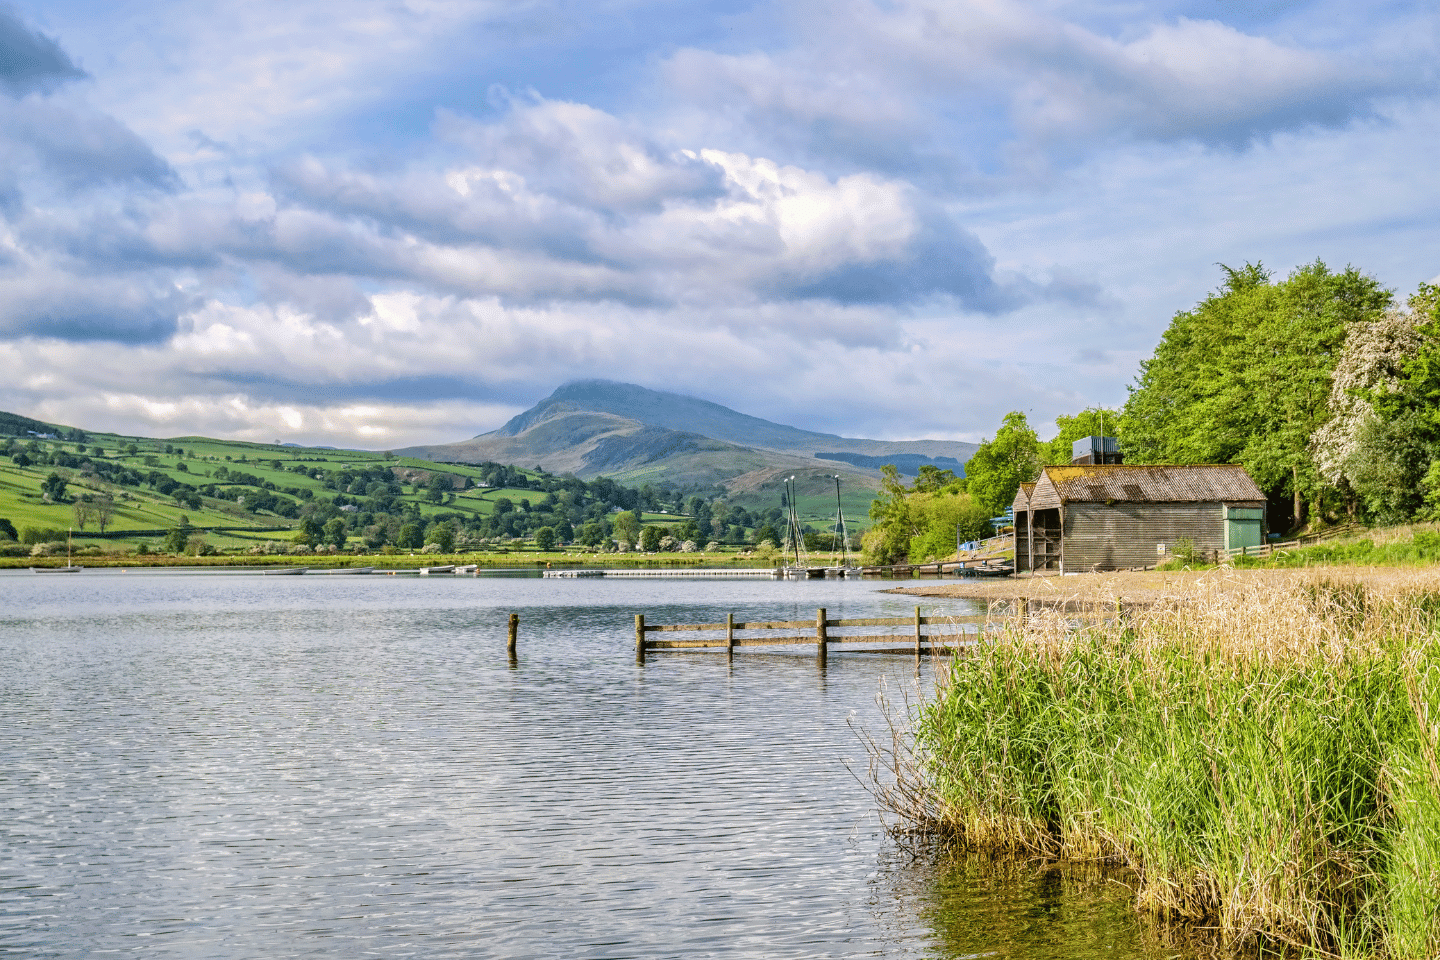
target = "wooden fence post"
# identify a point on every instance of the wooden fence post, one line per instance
(1022, 610)
(514, 633)
(640, 639)
(729, 636)
(917, 635)
(820, 638)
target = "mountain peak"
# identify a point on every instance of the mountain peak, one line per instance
(653, 408)
(629, 431)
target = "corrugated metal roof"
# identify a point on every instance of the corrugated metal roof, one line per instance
(1204, 482)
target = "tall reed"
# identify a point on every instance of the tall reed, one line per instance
(1263, 758)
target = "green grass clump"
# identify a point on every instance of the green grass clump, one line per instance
(1264, 761)
(1423, 547)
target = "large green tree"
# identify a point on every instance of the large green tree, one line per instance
(441, 534)
(923, 522)
(335, 532)
(888, 540)
(410, 537)
(1245, 376)
(995, 471)
(626, 526)
(54, 488)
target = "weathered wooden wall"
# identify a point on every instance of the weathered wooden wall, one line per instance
(1122, 535)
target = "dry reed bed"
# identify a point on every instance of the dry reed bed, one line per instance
(1261, 753)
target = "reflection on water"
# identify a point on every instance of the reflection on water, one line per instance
(978, 906)
(348, 767)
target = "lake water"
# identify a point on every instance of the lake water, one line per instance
(248, 766)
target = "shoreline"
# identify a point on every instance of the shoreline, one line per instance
(404, 561)
(1143, 587)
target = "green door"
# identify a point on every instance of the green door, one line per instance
(1244, 527)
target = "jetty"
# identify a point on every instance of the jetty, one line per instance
(699, 573)
(992, 566)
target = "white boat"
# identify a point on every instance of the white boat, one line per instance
(68, 568)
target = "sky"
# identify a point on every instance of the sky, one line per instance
(376, 223)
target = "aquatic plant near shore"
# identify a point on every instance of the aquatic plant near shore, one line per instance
(1263, 759)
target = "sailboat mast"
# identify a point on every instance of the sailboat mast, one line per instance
(794, 522)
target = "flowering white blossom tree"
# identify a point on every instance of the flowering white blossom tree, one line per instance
(1371, 363)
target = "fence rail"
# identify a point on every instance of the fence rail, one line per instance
(1307, 540)
(923, 634)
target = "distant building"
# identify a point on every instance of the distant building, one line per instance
(1109, 516)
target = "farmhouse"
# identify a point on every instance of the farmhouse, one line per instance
(1086, 517)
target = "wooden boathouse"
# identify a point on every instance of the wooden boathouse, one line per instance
(1085, 517)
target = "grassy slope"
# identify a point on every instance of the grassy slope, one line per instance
(142, 509)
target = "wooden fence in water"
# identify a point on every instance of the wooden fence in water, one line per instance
(934, 635)
(944, 634)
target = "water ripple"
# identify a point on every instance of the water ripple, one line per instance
(347, 767)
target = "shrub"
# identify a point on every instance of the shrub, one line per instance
(34, 535)
(1185, 551)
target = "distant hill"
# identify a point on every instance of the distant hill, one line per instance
(634, 435)
(13, 424)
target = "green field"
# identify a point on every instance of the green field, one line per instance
(126, 495)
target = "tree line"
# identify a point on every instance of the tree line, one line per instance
(379, 504)
(1321, 384)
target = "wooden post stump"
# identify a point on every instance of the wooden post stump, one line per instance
(640, 639)
(729, 636)
(821, 640)
(514, 635)
(917, 635)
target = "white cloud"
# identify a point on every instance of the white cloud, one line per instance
(943, 78)
(887, 219)
(257, 75)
